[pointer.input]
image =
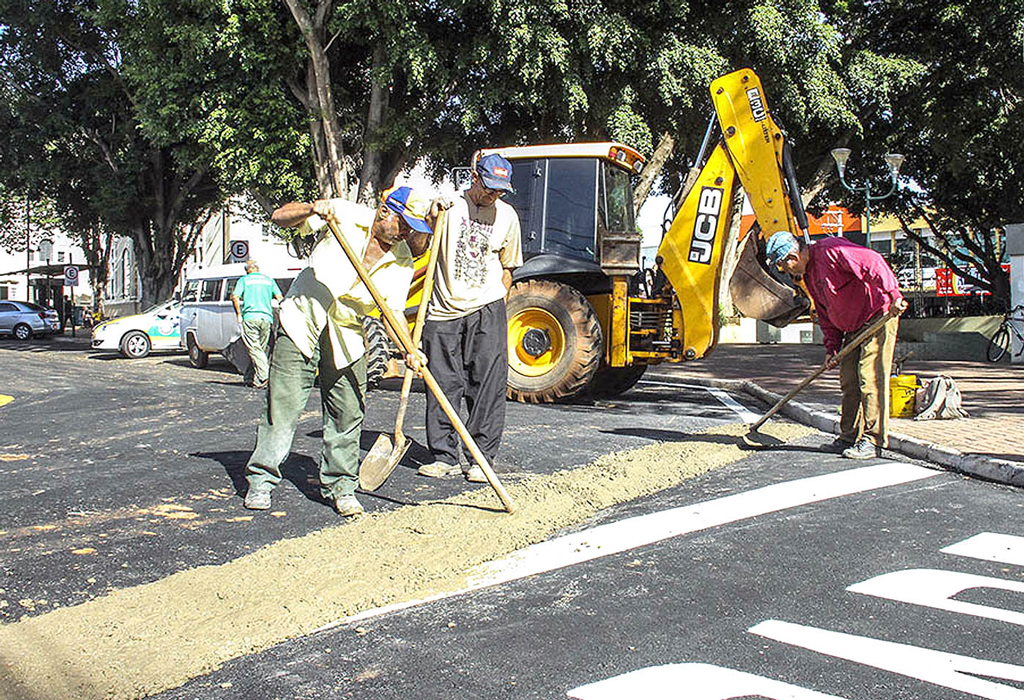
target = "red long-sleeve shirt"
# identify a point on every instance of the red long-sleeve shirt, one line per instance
(849, 284)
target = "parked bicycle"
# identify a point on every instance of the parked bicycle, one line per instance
(1002, 340)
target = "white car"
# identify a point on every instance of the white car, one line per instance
(136, 336)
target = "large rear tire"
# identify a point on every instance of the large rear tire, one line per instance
(378, 350)
(610, 382)
(554, 342)
(23, 331)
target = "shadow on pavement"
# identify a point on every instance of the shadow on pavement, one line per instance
(300, 470)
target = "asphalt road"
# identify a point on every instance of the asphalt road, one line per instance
(759, 605)
(120, 472)
(750, 586)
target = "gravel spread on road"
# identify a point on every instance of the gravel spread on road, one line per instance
(138, 641)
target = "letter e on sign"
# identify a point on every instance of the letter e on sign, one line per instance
(239, 251)
(70, 276)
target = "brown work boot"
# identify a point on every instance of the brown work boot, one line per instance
(475, 474)
(837, 446)
(348, 505)
(257, 498)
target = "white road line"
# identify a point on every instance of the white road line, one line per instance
(745, 414)
(990, 546)
(642, 530)
(962, 673)
(679, 385)
(935, 588)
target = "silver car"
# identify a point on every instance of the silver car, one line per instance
(23, 319)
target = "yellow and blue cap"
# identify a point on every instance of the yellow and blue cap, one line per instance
(412, 206)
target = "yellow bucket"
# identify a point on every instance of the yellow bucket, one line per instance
(902, 389)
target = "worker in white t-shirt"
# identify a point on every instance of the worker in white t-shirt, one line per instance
(464, 337)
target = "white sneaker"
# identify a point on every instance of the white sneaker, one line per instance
(257, 498)
(475, 474)
(438, 470)
(348, 505)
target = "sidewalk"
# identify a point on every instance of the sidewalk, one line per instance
(993, 394)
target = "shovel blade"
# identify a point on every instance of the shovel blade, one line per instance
(375, 470)
(401, 447)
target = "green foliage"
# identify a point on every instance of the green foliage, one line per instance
(73, 137)
(941, 83)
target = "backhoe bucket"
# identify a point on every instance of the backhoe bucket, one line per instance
(759, 295)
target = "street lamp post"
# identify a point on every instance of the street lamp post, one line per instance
(893, 160)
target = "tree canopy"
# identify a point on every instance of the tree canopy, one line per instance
(121, 105)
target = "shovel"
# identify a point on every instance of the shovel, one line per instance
(401, 331)
(757, 439)
(383, 457)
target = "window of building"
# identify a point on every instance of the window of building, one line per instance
(882, 246)
(124, 274)
(60, 256)
(4, 291)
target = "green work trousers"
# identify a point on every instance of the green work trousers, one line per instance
(864, 378)
(255, 336)
(342, 402)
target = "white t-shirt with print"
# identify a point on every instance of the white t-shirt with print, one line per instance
(478, 243)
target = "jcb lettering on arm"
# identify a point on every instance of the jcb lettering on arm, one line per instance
(705, 225)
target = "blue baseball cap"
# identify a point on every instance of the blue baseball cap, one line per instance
(781, 245)
(495, 172)
(412, 206)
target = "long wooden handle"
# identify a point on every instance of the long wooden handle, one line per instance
(421, 315)
(401, 332)
(857, 341)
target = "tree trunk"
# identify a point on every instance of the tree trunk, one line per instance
(730, 253)
(370, 177)
(321, 106)
(652, 169)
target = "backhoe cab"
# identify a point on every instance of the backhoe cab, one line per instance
(582, 316)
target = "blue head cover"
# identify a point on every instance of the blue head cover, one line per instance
(781, 245)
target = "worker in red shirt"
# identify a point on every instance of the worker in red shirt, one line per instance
(851, 287)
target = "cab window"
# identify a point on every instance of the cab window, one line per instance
(210, 291)
(191, 292)
(570, 220)
(229, 287)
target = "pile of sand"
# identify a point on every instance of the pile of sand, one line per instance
(139, 641)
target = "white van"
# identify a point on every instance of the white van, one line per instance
(208, 320)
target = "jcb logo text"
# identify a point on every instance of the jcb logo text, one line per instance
(705, 225)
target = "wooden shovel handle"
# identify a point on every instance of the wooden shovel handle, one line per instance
(401, 332)
(421, 315)
(855, 343)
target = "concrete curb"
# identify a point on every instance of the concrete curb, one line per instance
(999, 470)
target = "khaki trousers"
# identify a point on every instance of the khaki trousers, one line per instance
(342, 403)
(864, 378)
(256, 337)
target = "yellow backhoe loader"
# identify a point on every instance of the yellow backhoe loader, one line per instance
(583, 317)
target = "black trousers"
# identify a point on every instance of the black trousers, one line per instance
(468, 358)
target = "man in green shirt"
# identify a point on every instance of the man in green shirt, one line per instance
(252, 298)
